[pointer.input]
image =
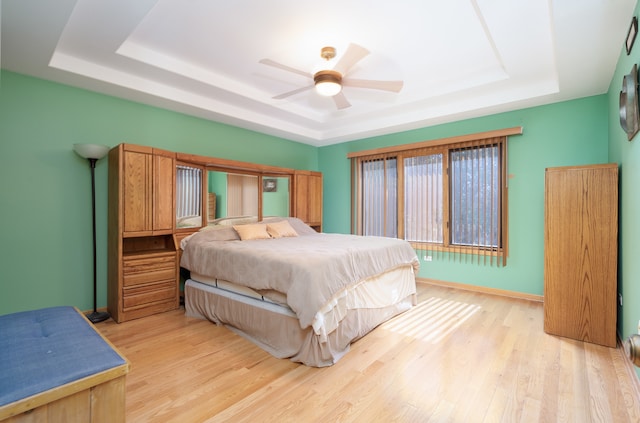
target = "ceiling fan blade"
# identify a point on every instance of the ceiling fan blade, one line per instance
(290, 93)
(341, 101)
(394, 86)
(275, 64)
(353, 55)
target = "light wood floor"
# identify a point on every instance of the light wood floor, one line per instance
(458, 356)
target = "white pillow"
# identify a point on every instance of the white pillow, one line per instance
(252, 231)
(281, 229)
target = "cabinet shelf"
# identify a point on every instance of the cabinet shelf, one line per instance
(148, 244)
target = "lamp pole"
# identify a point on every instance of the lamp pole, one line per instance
(93, 153)
(96, 316)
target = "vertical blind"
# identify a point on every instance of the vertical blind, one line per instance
(188, 191)
(424, 201)
(449, 200)
(242, 195)
(475, 178)
(379, 197)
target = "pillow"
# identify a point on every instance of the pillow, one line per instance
(298, 225)
(281, 229)
(209, 228)
(189, 222)
(212, 233)
(252, 231)
(219, 233)
(235, 220)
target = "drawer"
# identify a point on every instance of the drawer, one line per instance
(141, 264)
(145, 294)
(145, 270)
(149, 277)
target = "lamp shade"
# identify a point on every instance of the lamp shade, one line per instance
(91, 151)
(328, 82)
(328, 88)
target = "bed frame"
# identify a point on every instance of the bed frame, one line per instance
(276, 329)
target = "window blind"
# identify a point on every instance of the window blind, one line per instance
(188, 191)
(449, 200)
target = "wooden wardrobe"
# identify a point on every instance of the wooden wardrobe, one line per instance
(143, 260)
(581, 252)
(307, 199)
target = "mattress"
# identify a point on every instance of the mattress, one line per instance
(275, 328)
(240, 294)
(263, 295)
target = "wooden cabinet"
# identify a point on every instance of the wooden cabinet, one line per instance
(143, 260)
(580, 256)
(307, 199)
(148, 176)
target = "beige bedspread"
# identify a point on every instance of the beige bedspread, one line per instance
(313, 270)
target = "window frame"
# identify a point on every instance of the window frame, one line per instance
(444, 147)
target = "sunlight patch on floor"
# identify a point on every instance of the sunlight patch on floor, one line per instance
(432, 320)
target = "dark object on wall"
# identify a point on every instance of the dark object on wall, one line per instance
(629, 103)
(631, 35)
(269, 185)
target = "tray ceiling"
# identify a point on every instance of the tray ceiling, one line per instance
(458, 59)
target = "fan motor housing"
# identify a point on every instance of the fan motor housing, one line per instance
(327, 76)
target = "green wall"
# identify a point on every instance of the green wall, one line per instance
(218, 184)
(627, 154)
(276, 203)
(46, 205)
(561, 134)
(45, 194)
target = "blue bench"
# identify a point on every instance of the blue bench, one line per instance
(52, 359)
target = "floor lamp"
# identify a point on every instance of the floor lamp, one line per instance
(93, 153)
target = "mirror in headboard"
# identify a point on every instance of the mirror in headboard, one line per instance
(189, 189)
(235, 194)
(233, 189)
(232, 194)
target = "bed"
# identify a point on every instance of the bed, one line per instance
(297, 293)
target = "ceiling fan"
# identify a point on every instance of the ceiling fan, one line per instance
(329, 82)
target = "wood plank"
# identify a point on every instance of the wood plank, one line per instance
(516, 130)
(458, 356)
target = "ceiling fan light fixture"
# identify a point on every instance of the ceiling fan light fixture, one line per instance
(328, 82)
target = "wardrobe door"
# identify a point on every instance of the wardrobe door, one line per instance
(308, 198)
(164, 176)
(580, 257)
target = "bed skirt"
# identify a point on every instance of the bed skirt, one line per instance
(276, 329)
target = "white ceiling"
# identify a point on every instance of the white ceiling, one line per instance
(458, 58)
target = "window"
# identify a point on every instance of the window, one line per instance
(379, 197)
(188, 193)
(475, 182)
(423, 193)
(445, 197)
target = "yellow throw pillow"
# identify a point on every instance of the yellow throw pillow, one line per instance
(252, 231)
(281, 229)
